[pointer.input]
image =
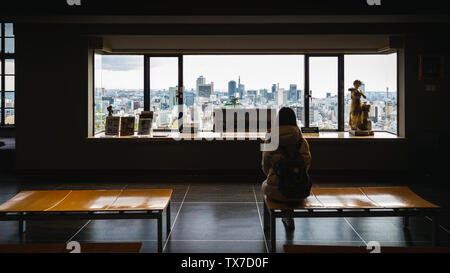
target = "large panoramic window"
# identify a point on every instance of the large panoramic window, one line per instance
(7, 75)
(378, 73)
(119, 82)
(214, 82)
(240, 83)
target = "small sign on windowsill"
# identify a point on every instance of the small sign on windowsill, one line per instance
(310, 130)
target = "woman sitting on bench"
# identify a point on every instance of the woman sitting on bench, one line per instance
(291, 142)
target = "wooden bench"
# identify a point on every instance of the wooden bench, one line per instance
(352, 202)
(85, 248)
(89, 205)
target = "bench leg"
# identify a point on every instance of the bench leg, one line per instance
(435, 230)
(160, 243)
(273, 232)
(406, 222)
(22, 227)
(168, 220)
(266, 222)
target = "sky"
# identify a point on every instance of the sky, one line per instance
(378, 72)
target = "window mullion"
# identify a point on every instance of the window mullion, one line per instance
(306, 92)
(180, 92)
(2, 87)
(147, 99)
(341, 92)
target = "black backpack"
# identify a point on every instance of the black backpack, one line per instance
(293, 177)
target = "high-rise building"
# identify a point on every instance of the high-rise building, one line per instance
(232, 89)
(299, 112)
(206, 90)
(200, 81)
(282, 96)
(293, 95)
(299, 95)
(189, 98)
(389, 109)
(252, 92)
(241, 88)
(164, 118)
(172, 96)
(263, 93)
(373, 114)
(110, 100)
(137, 105)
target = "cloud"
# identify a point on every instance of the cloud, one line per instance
(122, 63)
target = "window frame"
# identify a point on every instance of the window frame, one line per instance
(3, 57)
(96, 52)
(340, 89)
(396, 51)
(307, 56)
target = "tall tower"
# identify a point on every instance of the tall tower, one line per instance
(200, 81)
(231, 89)
(241, 88)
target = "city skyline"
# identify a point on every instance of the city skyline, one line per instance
(126, 72)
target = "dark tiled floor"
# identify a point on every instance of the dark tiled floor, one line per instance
(218, 215)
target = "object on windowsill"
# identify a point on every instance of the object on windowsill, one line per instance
(145, 123)
(359, 113)
(146, 114)
(314, 131)
(110, 111)
(112, 126)
(145, 126)
(365, 127)
(127, 126)
(361, 133)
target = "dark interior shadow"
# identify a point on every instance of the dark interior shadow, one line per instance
(289, 236)
(408, 239)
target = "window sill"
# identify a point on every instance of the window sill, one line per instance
(332, 137)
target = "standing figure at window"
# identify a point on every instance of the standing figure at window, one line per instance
(356, 108)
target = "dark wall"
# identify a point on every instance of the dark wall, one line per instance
(230, 7)
(427, 112)
(52, 118)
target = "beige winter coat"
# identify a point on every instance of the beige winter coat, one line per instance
(289, 138)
